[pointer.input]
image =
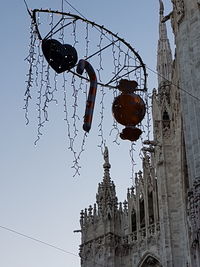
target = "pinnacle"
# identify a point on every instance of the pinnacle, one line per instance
(161, 7)
(106, 167)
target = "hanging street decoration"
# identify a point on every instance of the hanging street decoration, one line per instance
(83, 64)
(129, 110)
(61, 57)
(72, 56)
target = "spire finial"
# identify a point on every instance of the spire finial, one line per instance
(164, 55)
(106, 166)
(106, 158)
(106, 155)
(161, 7)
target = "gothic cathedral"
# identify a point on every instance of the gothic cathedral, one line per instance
(159, 223)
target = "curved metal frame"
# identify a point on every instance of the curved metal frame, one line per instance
(76, 17)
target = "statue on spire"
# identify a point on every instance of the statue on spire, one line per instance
(106, 155)
(161, 7)
(106, 164)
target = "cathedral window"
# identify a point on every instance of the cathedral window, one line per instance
(142, 213)
(133, 221)
(150, 261)
(165, 116)
(150, 205)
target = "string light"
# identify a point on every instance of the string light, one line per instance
(124, 64)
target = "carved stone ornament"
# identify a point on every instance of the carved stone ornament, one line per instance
(157, 129)
(166, 129)
(178, 9)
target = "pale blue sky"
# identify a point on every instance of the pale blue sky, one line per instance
(38, 195)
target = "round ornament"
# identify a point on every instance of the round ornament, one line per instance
(128, 109)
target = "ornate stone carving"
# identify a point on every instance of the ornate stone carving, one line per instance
(157, 129)
(166, 129)
(179, 10)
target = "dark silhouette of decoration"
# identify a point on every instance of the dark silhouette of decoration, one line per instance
(61, 57)
(83, 64)
(129, 110)
(60, 38)
(130, 133)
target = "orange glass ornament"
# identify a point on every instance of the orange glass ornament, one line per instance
(128, 109)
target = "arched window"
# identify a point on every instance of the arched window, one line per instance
(165, 116)
(149, 261)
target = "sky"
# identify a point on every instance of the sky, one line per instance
(39, 197)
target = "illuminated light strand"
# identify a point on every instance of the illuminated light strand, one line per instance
(37, 64)
(133, 163)
(74, 105)
(39, 103)
(115, 129)
(74, 33)
(126, 64)
(100, 126)
(97, 27)
(87, 40)
(148, 122)
(30, 59)
(119, 58)
(100, 56)
(48, 88)
(115, 91)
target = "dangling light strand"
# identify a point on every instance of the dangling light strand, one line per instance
(100, 126)
(41, 121)
(30, 59)
(100, 55)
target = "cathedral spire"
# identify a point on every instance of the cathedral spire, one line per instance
(164, 54)
(161, 7)
(106, 166)
(106, 196)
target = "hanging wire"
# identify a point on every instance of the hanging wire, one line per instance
(193, 96)
(98, 27)
(48, 244)
(155, 72)
(123, 67)
(46, 85)
(176, 85)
